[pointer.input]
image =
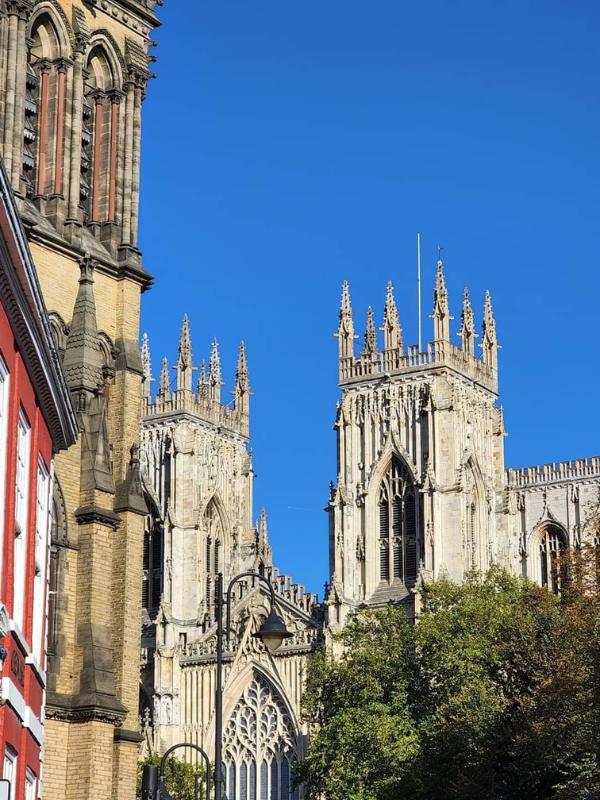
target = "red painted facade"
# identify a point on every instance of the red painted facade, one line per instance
(33, 401)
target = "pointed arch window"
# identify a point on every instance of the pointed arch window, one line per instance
(260, 746)
(99, 139)
(152, 574)
(45, 106)
(397, 509)
(552, 543)
(213, 525)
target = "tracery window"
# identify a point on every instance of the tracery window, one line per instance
(213, 526)
(397, 525)
(259, 746)
(552, 543)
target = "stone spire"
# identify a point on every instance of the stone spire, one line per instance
(184, 357)
(392, 331)
(214, 373)
(370, 343)
(146, 368)
(202, 382)
(489, 342)
(242, 384)
(467, 325)
(441, 312)
(82, 361)
(345, 332)
(164, 384)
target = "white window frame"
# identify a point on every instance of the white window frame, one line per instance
(40, 580)
(30, 784)
(21, 509)
(9, 768)
(4, 393)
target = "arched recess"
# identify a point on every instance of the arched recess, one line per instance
(214, 526)
(548, 542)
(260, 741)
(60, 331)
(45, 106)
(100, 131)
(393, 521)
(59, 544)
(474, 518)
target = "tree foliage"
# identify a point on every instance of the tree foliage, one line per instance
(180, 777)
(494, 694)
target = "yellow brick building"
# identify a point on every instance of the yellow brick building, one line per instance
(73, 74)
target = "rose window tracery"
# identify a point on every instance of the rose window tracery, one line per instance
(259, 746)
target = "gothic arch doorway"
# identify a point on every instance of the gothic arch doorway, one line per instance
(260, 746)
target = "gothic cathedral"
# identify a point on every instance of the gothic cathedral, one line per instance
(421, 493)
(73, 74)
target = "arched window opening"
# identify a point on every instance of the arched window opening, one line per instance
(397, 525)
(100, 134)
(152, 574)
(45, 105)
(58, 544)
(259, 746)
(552, 543)
(213, 525)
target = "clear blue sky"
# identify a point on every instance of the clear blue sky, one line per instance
(288, 146)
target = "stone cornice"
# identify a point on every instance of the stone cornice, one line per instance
(138, 15)
(86, 515)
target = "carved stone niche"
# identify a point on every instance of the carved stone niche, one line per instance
(184, 438)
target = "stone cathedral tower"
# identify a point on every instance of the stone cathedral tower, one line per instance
(73, 74)
(198, 475)
(420, 458)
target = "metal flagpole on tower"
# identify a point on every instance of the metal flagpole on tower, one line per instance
(419, 287)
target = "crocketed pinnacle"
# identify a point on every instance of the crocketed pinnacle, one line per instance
(345, 332)
(214, 372)
(441, 312)
(202, 381)
(467, 324)
(164, 384)
(370, 344)
(392, 331)
(184, 357)
(82, 361)
(242, 383)
(489, 342)
(146, 366)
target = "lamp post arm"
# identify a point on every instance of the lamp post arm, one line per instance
(235, 580)
(198, 749)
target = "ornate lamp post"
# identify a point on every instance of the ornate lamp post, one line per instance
(272, 633)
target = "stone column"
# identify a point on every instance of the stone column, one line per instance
(40, 187)
(19, 104)
(10, 86)
(128, 162)
(76, 124)
(59, 139)
(115, 100)
(135, 187)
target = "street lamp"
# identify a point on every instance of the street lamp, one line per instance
(153, 778)
(272, 632)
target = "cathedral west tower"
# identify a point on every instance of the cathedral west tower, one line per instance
(73, 74)
(420, 457)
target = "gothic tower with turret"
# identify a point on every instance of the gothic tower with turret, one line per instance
(420, 457)
(198, 476)
(73, 74)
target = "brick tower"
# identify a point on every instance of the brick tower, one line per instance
(73, 75)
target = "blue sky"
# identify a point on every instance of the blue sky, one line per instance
(289, 146)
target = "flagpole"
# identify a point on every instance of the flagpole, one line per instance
(419, 287)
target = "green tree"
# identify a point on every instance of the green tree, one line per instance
(495, 693)
(180, 777)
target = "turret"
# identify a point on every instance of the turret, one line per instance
(241, 391)
(467, 325)
(184, 358)
(489, 342)
(441, 312)
(214, 373)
